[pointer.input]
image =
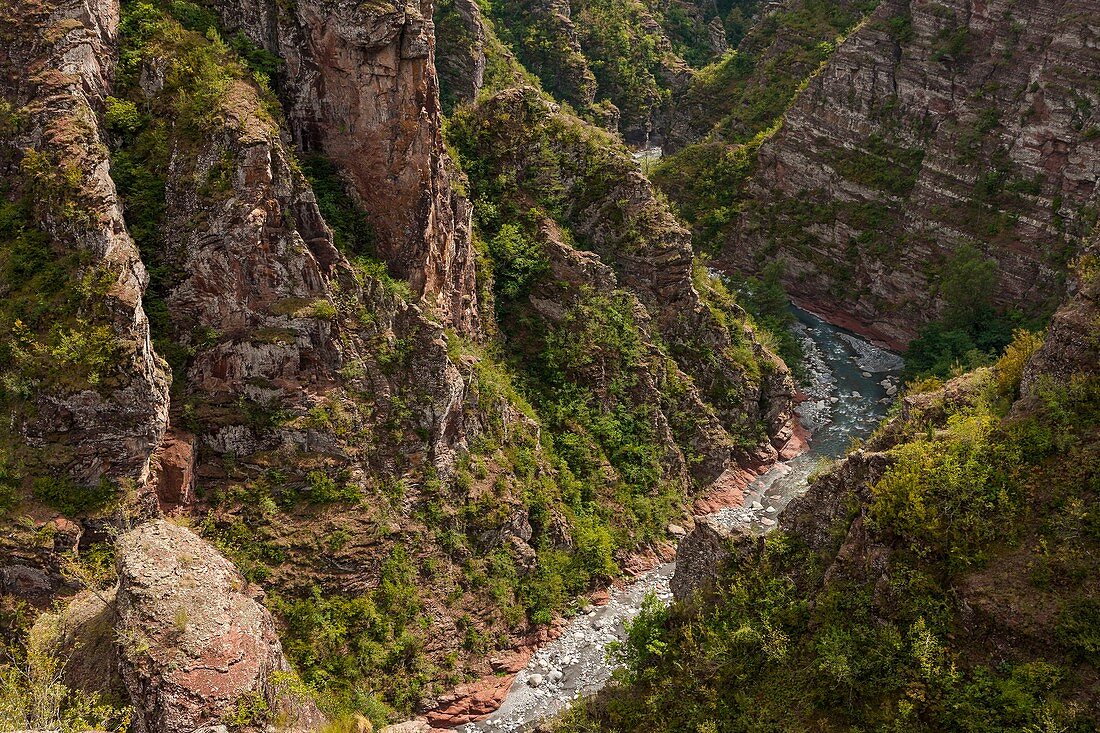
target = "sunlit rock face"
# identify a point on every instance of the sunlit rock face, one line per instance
(361, 85)
(933, 127)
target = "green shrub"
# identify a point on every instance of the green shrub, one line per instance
(1010, 367)
(358, 651)
(34, 697)
(1078, 628)
(970, 333)
(122, 116)
(517, 260)
(71, 498)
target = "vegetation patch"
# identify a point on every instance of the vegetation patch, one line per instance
(975, 496)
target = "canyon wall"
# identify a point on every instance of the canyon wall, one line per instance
(360, 83)
(935, 127)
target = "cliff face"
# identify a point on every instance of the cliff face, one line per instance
(86, 395)
(1072, 345)
(266, 321)
(935, 126)
(461, 41)
(607, 207)
(360, 84)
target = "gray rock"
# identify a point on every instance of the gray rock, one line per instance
(701, 555)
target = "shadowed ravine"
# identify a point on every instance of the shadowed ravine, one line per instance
(849, 386)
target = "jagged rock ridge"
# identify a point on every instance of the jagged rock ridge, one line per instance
(89, 396)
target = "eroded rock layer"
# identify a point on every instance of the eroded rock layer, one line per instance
(936, 126)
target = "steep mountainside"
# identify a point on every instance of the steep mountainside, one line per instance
(424, 437)
(941, 577)
(86, 395)
(936, 130)
(346, 347)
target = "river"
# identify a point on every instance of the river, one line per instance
(849, 385)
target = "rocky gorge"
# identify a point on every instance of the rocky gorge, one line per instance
(355, 355)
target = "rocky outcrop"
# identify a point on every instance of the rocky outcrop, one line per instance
(706, 552)
(1072, 344)
(460, 51)
(359, 83)
(90, 396)
(936, 126)
(613, 209)
(270, 324)
(185, 637)
(831, 498)
(573, 277)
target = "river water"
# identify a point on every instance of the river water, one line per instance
(849, 385)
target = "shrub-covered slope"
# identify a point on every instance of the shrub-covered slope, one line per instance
(942, 577)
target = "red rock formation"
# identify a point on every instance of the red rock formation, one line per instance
(187, 634)
(361, 85)
(174, 476)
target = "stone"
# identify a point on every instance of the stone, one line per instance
(174, 474)
(411, 726)
(22, 581)
(192, 636)
(676, 530)
(1070, 346)
(460, 58)
(535, 680)
(704, 552)
(361, 84)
